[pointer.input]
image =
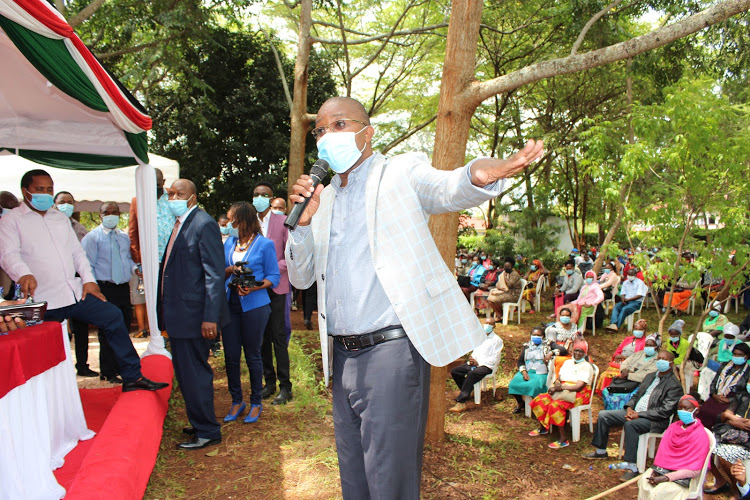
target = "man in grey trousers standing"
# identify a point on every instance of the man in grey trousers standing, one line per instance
(388, 306)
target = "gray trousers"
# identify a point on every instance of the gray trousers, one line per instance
(632, 429)
(380, 401)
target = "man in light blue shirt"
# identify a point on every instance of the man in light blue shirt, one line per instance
(631, 296)
(108, 251)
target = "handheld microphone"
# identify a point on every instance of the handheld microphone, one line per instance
(318, 172)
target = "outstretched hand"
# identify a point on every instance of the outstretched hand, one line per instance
(488, 170)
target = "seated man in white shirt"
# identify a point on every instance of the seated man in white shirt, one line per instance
(631, 296)
(40, 251)
(482, 362)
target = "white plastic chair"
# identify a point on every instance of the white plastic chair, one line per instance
(488, 309)
(703, 345)
(575, 412)
(510, 307)
(482, 384)
(591, 316)
(538, 297)
(630, 318)
(695, 488)
(646, 445)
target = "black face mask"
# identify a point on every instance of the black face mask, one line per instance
(508, 269)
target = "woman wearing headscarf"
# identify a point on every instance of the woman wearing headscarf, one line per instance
(681, 455)
(732, 443)
(535, 272)
(715, 321)
(675, 343)
(629, 346)
(589, 296)
(571, 387)
(507, 289)
(728, 381)
(531, 378)
(632, 372)
(489, 280)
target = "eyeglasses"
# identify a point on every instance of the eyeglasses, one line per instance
(335, 126)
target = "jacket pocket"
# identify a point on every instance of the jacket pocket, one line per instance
(439, 284)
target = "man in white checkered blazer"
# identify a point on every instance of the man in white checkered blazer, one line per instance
(388, 306)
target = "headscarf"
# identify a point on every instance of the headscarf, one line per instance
(591, 273)
(581, 344)
(677, 325)
(537, 263)
(716, 305)
(656, 338)
(732, 329)
(690, 399)
(640, 325)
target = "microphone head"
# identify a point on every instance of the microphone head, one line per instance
(320, 169)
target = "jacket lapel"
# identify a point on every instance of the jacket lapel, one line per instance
(180, 240)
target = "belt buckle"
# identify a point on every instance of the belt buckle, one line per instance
(352, 343)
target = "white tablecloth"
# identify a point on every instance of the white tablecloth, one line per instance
(40, 422)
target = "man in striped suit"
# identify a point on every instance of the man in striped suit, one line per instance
(388, 306)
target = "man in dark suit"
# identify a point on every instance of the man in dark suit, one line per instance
(275, 339)
(192, 300)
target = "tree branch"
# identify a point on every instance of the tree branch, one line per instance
(408, 134)
(479, 91)
(137, 48)
(280, 67)
(85, 13)
(359, 41)
(590, 23)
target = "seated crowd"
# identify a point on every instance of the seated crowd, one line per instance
(641, 388)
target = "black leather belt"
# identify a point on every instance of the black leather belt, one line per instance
(357, 342)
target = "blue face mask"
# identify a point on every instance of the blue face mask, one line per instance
(488, 329)
(233, 231)
(637, 333)
(340, 150)
(589, 281)
(580, 360)
(713, 313)
(261, 203)
(464, 261)
(110, 221)
(747, 387)
(729, 343)
(607, 271)
(41, 201)
(225, 229)
(674, 340)
(490, 267)
(662, 365)
(649, 351)
(685, 416)
(564, 320)
(739, 360)
(532, 267)
(569, 271)
(66, 208)
(536, 340)
(277, 212)
(179, 207)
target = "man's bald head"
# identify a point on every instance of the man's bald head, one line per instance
(8, 200)
(186, 185)
(353, 107)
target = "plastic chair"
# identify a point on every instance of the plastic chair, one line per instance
(591, 316)
(550, 377)
(646, 445)
(482, 384)
(630, 318)
(510, 307)
(488, 309)
(695, 488)
(538, 297)
(575, 412)
(703, 345)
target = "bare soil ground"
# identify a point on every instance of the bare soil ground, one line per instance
(290, 452)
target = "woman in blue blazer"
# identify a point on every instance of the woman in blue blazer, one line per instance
(249, 307)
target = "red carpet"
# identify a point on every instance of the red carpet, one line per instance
(117, 462)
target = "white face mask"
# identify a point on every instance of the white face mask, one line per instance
(340, 150)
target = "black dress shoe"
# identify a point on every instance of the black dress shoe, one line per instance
(283, 398)
(308, 324)
(268, 391)
(715, 491)
(143, 384)
(190, 431)
(197, 443)
(87, 372)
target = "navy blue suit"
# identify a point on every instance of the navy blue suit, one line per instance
(191, 291)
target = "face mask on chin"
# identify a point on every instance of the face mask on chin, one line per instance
(340, 150)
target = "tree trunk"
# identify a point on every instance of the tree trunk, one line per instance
(451, 136)
(299, 118)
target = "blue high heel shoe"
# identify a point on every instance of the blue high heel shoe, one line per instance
(230, 417)
(250, 419)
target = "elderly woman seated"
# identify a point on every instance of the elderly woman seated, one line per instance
(681, 455)
(507, 288)
(589, 296)
(571, 387)
(531, 378)
(536, 272)
(629, 346)
(715, 322)
(729, 380)
(632, 372)
(732, 443)
(489, 280)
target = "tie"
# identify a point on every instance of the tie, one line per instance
(117, 276)
(175, 229)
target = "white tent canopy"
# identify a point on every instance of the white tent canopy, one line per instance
(89, 187)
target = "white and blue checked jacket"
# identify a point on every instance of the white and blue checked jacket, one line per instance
(402, 192)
